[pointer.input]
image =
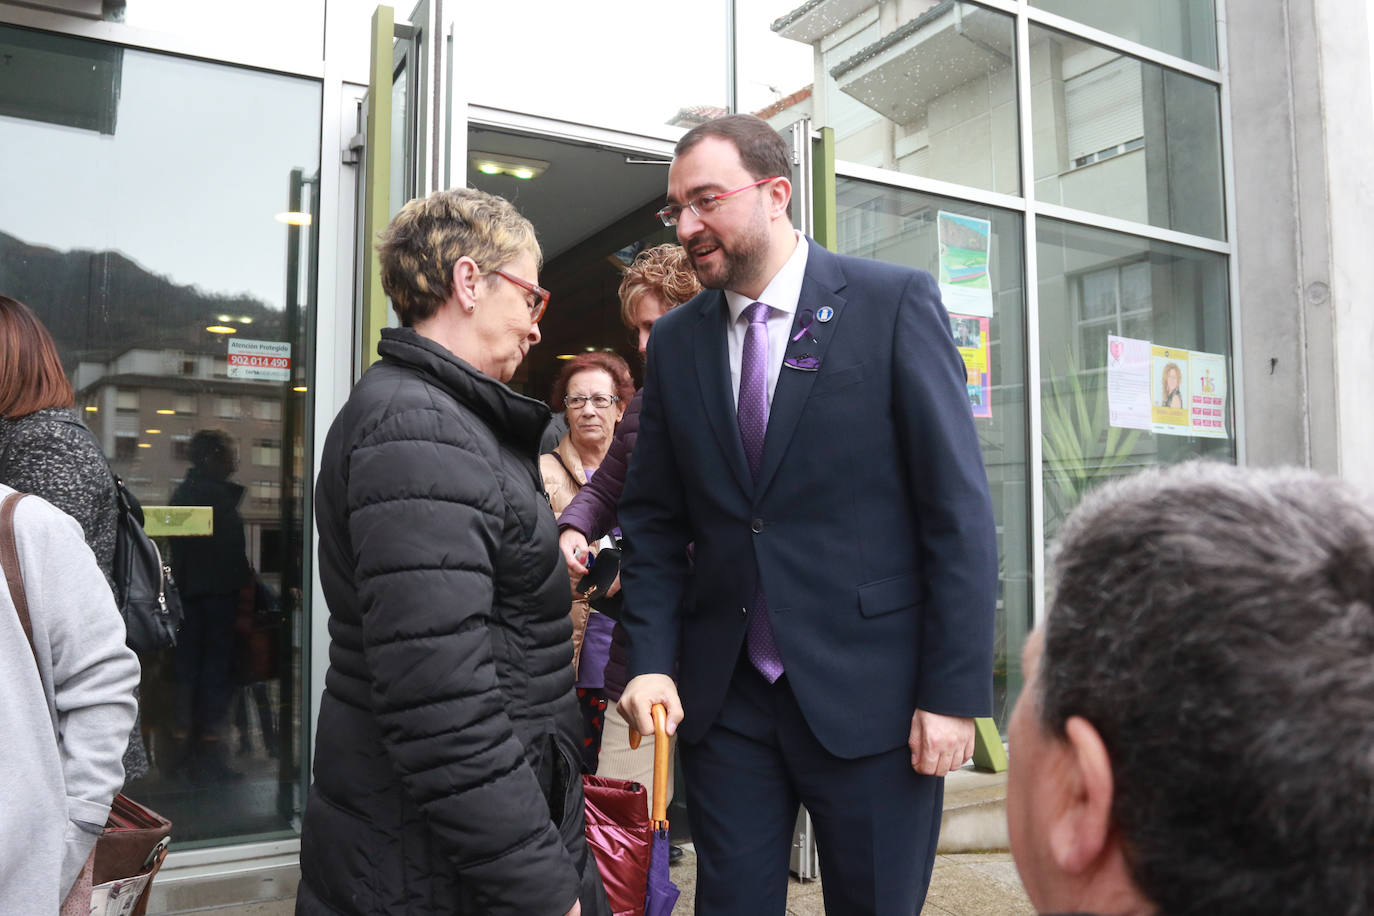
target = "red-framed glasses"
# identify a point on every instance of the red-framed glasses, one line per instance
(541, 295)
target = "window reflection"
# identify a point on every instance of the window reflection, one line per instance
(1123, 137)
(1183, 28)
(919, 230)
(135, 225)
(1095, 286)
(933, 94)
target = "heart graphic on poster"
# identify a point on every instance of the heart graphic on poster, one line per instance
(1115, 348)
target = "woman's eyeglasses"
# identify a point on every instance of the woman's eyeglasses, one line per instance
(599, 401)
(541, 295)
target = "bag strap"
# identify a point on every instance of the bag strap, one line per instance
(9, 558)
(577, 484)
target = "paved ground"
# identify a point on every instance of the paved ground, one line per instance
(962, 885)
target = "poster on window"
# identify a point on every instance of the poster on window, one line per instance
(965, 246)
(1128, 382)
(971, 337)
(1207, 395)
(263, 360)
(1169, 390)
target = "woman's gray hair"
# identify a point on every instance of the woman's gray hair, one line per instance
(1215, 625)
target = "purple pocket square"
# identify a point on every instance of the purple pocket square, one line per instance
(805, 362)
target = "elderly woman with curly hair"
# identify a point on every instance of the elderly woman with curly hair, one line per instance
(447, 751)
(659, 279)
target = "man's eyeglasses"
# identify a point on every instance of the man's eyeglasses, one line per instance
(706, 203)
(599, 401)
(541, 295)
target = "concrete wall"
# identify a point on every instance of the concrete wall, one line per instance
(1302, 131)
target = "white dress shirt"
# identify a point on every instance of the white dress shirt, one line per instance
(781, 295)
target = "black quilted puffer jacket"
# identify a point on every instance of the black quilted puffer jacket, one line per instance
(446, 761)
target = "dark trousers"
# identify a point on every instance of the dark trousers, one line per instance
(202, 664)
(876, 820)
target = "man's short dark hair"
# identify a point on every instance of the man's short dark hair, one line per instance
(1214, 624)
(762, 150)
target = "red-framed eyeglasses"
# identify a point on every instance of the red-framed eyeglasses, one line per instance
(541, 295)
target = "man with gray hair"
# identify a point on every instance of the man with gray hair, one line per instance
(1196, 733)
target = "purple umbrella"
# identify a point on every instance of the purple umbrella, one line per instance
(661, 894)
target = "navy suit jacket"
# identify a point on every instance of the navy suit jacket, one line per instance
(870, 525)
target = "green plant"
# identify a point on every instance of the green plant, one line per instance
(1077, 455)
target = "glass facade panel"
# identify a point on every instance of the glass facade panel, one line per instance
(1183, 28)
(1109, 407)
(919, 230)
(1116, 135)
(172, 258)
(933, 94)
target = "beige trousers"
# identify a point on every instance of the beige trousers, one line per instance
(619, 762)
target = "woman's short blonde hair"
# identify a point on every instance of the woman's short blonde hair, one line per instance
(663, 270)
(423, 242)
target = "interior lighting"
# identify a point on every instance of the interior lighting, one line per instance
(293, 218)
(221, 329)
(164, 412)
(223, 318)
(503, 164)
(153, 432)
(144, 445)
(244, 319)
(91, 408)
(300, 388)
(566, 356)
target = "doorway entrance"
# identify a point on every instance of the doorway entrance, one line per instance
(593, 208)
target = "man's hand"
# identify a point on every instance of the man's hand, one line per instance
(639, 698)
(939, 743)
(573, 543)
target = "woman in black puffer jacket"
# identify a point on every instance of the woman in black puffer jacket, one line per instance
(446, 757)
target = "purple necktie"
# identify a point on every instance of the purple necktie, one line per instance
(752, 415)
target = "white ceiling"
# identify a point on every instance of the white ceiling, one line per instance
(584, 189)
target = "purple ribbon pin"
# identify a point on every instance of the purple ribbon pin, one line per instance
(806, 321)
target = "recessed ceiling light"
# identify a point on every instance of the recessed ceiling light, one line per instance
(502, 164)
(164, 412)
(221, 329)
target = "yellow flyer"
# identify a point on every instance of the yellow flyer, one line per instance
(1169, 390)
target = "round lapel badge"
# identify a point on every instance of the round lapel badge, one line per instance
(824, 314)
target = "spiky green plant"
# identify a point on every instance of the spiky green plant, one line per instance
(1077, 456)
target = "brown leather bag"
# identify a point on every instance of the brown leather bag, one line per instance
(135, 838)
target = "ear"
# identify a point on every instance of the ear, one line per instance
(779, 193)
(466, 274)
(1082, 828)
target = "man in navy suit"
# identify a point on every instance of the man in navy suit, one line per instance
(828, 641)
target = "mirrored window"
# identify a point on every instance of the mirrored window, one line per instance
(975, 254)
(1135, 359)
(1183, 28)
(1119, 136)
(933, 94)
(160, 218)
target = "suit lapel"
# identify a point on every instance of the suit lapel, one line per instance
(713, 375)
(819, 290)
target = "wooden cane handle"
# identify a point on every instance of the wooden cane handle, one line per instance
(662, 760)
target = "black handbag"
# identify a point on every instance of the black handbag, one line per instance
(144, 588)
